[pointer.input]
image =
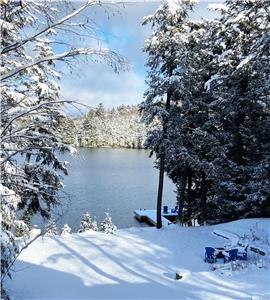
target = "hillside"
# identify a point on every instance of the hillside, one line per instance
(119, 127)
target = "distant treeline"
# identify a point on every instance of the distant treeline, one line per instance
(116, 127)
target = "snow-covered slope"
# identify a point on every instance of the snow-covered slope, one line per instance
(137, 263)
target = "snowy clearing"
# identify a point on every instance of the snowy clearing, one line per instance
(136, 263)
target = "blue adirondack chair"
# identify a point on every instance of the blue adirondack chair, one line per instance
(165, 209)
(242, 255)
(210, 255)
(230, 255)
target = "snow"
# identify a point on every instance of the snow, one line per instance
(136, 263)
(234, 238)
(245, 61)
(218, 7)
(208, 83)
(72, 150)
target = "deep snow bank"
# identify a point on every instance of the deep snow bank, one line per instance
(137, 263)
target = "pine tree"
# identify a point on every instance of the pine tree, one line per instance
(241, 89)
(107, 225)
(94, 225)
(87, 223)
(216, 141)
(66, 230)
(191, 128)
(52, 229)
(169, 26)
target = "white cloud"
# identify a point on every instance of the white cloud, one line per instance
(98, 83)
(124, 34)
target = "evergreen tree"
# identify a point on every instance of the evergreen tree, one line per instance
(192, 128)
(66, 230)
(52, 229)
(241, 88)
(107, 225)
(163, 46)
(216, 141)
(87, 223)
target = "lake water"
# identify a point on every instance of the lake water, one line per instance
(114, 180)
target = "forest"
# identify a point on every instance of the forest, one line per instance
(119, 127)
(205, 111)
(208, 86)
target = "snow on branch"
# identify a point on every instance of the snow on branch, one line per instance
(245, 61)
(50, 27)
(213, 78)
(35, 109)
(115, 60)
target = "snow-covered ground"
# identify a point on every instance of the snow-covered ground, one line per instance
(136, 263)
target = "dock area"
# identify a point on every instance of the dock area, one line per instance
(150, 216)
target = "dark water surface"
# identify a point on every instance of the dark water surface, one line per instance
(114, 180)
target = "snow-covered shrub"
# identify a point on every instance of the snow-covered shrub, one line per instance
(94, 225)
(87, 223)
(107, 225)
(66, 230)
(21, 228)
(258, 238)
(258, 234)
(52, 229)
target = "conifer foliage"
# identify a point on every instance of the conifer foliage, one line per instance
(164, 49)
(52, 229)
(87, 223)
(66, 230)
(213, 138)
(242, 82)
(107, 225)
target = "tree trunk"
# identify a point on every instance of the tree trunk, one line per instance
(162, 165)
(203, 199)
(182, 197)
(189, 201)
(160, 190)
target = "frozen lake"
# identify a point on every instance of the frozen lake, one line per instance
(114, 180)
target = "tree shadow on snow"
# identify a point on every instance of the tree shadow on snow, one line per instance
(39, 282)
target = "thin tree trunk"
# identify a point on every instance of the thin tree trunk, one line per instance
(160, 190)
(162, 165)
(189, 201)
(182, 197)
(203, 199)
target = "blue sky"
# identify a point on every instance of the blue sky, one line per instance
(120, 30)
